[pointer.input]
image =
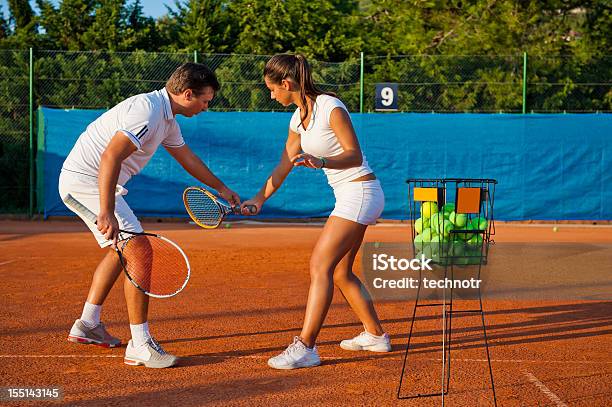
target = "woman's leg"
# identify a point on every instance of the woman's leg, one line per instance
(354, 292)
(338, 238)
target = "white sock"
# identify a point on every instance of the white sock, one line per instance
(140, 334)
(91, 315)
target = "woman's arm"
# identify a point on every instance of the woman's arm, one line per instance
(275, 180)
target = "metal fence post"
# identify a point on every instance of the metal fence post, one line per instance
(361, 85)
(524, 82)
(31, 114)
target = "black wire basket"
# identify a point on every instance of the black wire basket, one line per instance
(451, 219)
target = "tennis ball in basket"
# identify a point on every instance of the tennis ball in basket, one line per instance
(475, 240)
(446, 229)
(418, 241)
(458, 248)
(426, 235)
(458, 219)
(448, 208)
(467, 236)
(480, 223)
(436, 222)
(420, 224)
(428, 209)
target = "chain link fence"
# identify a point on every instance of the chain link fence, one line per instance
(427, 83)
(14, 131)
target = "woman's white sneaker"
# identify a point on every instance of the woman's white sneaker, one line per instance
(296, 355)
(367, 341)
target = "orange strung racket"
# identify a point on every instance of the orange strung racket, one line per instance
(206, 210)
(154, 264)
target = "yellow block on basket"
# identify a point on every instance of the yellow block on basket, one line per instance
(425, 194)
(468, 200)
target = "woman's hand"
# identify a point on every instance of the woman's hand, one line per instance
(256, 202)
(307, 160)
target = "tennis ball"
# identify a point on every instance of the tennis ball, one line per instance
(228, 225)
(418, 241)
(428, 209)
(426, 235)
(475, 240)
(448, 208)
(458, 219)
(480, 223)
(446, 229)
(555, 229)
(436, 222)
(427, 251)
(467, 236)
(420, 224)
(458, 248)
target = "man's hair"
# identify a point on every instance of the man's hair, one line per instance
(191, 76)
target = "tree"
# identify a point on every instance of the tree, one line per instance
(318, 29)
(203, 25)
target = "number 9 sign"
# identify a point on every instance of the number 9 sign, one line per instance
(386, 97)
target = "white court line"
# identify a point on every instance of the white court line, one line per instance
(7, 262)
(327, 358)
(551, 396)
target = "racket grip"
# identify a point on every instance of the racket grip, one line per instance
(82, 209)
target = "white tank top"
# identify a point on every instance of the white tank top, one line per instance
(320, 140)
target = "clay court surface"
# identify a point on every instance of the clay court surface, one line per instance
(245, 302)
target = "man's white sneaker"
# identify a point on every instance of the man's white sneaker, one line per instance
(98, 335)
(367, 341)
(149, 354)
(295, 356)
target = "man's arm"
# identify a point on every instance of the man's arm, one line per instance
(119, 148)
(194, 166)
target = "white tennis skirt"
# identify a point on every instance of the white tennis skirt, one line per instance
(361, 201)
(84, 189)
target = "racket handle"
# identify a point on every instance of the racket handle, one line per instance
(81, 208)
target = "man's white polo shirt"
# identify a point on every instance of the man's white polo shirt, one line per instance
(146, 119)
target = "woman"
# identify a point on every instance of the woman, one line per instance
(321, 137)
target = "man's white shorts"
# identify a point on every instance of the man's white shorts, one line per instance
(84, 188)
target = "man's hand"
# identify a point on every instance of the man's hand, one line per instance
(109, 227)
(230, 196)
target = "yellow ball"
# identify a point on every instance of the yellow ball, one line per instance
(555, 229)
(428, 209)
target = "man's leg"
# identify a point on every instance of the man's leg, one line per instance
(88, 329)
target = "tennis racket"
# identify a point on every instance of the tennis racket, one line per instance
(206, 210)
(154, 264)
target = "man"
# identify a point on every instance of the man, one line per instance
(112, 149)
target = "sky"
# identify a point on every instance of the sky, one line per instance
(153, 8)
